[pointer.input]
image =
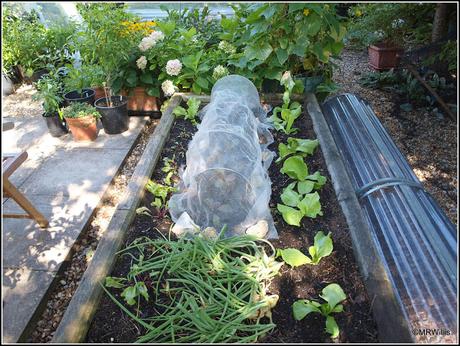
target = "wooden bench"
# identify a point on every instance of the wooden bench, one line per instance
(10, 162)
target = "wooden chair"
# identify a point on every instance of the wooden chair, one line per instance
(10, 162)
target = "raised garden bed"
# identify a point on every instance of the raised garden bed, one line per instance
(111, 324)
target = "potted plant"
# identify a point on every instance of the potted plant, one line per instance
(82, 120)
(48, 90)
(383, 29)
(139, 84)
(77, 87)
(114, 113)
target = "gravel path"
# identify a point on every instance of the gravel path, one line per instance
(429, 143)
(20, 104)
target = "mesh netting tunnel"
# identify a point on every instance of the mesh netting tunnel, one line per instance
(225, 182)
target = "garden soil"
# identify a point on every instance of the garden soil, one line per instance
(356, 323)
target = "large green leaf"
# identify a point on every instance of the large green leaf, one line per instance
(312, 25)
(260, 52)
(332, 327)
(322, 247)
(189, 33)
(191, 61)
(293, 257)
(202, 82)
(333, 294)
(167, 27)
(282, 55)
(307, 146)
(295, 168)
(319, 179)
(131, 78)
(255, 15)
(302, 308)
(295, 7)
(290, 215)
(229, 24)
(289, 196)
(146, 78)
(153, 91)
(305, 187)
(310, 205)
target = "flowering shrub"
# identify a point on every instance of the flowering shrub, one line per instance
(168, 88)
(173, 67)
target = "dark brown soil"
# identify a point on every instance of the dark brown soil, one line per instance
(356, 324)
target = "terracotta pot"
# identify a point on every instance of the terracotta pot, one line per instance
(99, 92)
(83, 129)
(384, 57)
(138, 100)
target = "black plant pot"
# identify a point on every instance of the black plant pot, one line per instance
(87, 95)
(56, 126)
(114, 119)
(39, 74)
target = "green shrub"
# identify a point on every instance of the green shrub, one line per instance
(397, 23)
(80, 110)
(49, 91)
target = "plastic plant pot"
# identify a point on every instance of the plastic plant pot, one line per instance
(84, 128)
(114, 119)
(56, 126)
(87, 95)
(384, 57)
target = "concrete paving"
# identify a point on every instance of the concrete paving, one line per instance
(65, 181)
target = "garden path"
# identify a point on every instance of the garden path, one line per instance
(65, 180)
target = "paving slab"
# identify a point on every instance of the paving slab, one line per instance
(78, 172)
(22, 292)
(29, 245)
(65, 181)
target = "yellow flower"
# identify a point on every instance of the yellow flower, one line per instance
(306, 12)
(358, 13)
(326, 7)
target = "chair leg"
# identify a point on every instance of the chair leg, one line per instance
(24, 203)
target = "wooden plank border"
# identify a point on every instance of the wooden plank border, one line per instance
(81, 309)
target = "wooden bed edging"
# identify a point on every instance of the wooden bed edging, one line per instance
(79, 314)
(392, 325)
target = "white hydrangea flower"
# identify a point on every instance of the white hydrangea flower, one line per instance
(146, 44)
(173, 67)
(168, 88)
(219, 72)
(227, 47)
(157, 36)
(141, 62)
(151, 40)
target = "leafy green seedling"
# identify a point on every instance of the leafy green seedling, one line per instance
(189, 113)
(298, 204)
(293, 257)
(303, 147)
(289, 112)
(132, 292)
(333, 295)
(322, 247)
(295, 168)
(111, 281)
(170, 169)
(159, 191)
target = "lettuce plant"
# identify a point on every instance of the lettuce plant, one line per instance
(322, 247)
(333, 295)
(302, 147)
(189, 113)
(298, 198)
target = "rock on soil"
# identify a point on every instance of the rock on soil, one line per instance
(428, 142)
